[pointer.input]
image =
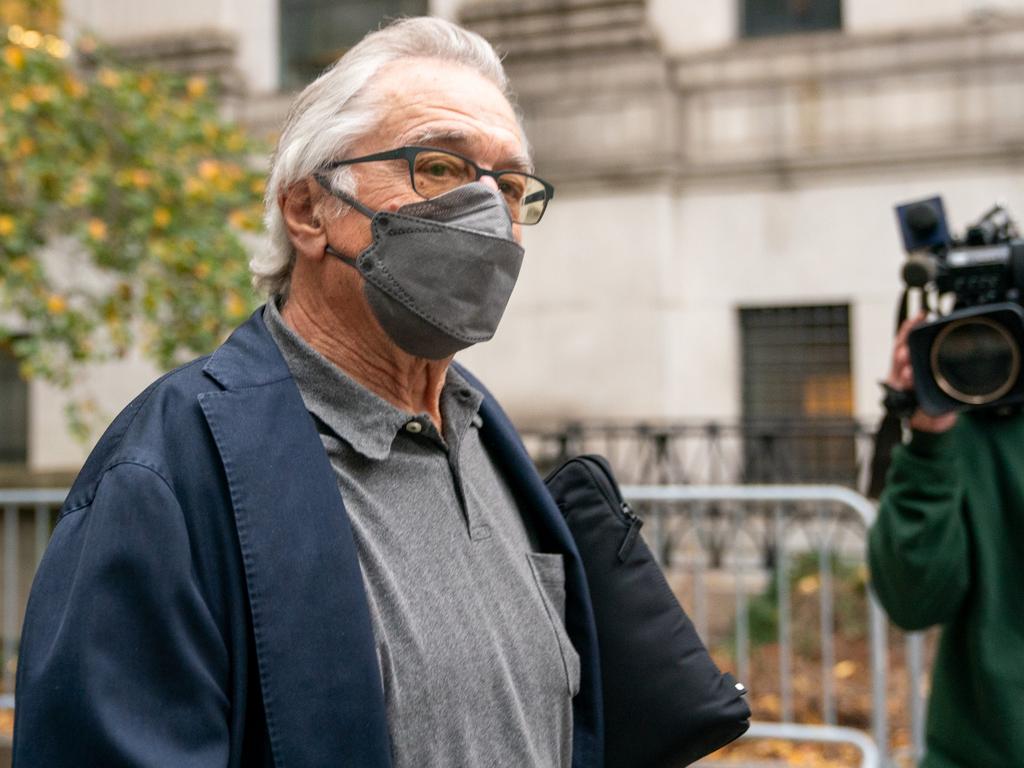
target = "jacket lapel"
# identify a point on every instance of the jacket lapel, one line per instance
(314, 641)
(514, 464)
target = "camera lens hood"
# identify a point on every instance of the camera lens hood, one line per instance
(970, 358)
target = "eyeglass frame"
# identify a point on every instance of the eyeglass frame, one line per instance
(409, 154)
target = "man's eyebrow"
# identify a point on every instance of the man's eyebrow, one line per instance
(440, 138)
(517, 163)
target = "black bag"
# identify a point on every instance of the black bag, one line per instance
(665, 701)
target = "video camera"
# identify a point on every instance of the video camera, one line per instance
(970, 356)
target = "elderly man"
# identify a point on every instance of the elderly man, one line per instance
(324, 545)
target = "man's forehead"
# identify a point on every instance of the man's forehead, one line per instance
(451, 106)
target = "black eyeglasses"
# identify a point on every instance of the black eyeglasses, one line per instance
(433, 172)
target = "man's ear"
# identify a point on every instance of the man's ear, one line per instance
(300, 210)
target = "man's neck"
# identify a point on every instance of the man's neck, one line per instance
(360, 348)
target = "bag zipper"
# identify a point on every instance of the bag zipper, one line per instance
(609, 487)
(610, 490)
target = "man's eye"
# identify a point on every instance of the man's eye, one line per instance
(439, 170)
(511, 189)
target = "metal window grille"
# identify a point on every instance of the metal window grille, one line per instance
(765, 18)
(314, 33)
(13, 411)
(798, 395)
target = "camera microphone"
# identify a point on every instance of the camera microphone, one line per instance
(922, 219)
(919, 270)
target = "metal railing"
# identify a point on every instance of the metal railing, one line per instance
(790, 451)
(687, 524)
(28, 518)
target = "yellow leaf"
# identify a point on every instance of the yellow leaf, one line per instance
(196, 86)
(6, 225)
(808, 585)
(141, 178)
(56, 304)
(14, 57)
(20, 102)
(767, 705)
(202, 270)
(108, 78)
(42, 94)
(97, 229)
(845, 669)
(238, 219)
(161, 217)
(235, 305)
(209, 169)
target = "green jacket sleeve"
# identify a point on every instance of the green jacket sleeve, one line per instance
(918, 548)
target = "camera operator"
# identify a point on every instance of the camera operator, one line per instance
(948, 548)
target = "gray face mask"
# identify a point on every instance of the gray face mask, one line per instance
(440, 272)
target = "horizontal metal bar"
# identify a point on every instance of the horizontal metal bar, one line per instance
(820, 733)
(754, 493)
(54, 496)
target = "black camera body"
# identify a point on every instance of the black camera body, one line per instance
(971, 357)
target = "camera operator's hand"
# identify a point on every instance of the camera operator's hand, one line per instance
(901, 377)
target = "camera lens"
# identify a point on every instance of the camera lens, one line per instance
(975, 360)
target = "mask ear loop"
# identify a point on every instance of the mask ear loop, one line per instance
(367, 212)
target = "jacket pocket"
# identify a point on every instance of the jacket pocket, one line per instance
(549, 574)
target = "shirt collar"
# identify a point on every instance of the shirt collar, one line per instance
(359, 417)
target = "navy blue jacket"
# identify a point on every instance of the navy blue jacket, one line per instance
(200, 602)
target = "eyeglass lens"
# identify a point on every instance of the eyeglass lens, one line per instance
(435, 172)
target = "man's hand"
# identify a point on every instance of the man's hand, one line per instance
(901, 377)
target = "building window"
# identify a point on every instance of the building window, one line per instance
(764, 18)
(13, 411)
(314, 33)
(798, 395)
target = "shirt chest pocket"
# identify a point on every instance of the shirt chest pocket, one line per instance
(549, 576)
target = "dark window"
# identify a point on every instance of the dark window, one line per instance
(314, 33)
(798, 395)
(762, 18)
(13, 411)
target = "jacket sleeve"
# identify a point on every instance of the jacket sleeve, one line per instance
(918, 547)
(121, 663)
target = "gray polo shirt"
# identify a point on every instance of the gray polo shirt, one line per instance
(476, 665)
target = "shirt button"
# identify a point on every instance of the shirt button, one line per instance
(414, 427)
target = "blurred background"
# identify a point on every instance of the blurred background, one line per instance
(710, 298)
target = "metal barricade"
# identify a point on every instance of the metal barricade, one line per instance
(28, 517)
(675, 513)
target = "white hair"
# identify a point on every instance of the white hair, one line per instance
(335, 111)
